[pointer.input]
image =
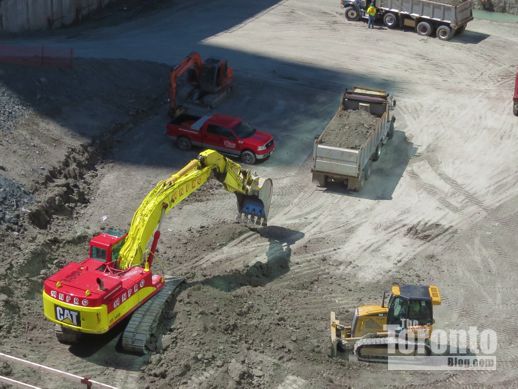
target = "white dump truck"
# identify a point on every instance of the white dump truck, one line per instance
(444, 18)
(354, 138)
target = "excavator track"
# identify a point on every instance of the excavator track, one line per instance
(375, 349)
(140, 335)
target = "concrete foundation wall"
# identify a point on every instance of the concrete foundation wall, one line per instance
(507, 6)
(25, 15)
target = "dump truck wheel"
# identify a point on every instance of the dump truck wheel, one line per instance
(390, 133)
(390, 20)
(424, 29)
(444, 33)
(460, 30)
(377, 153)
(183, 143)
(352, 14)
(248, 157)
(321, 180)
(367, 171)
(515, 109)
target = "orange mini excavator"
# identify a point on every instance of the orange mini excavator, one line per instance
(211, 80)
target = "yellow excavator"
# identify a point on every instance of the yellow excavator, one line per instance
(116, 281)
(375, 328)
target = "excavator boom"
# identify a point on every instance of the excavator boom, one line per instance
(116, 282)
(253, 198)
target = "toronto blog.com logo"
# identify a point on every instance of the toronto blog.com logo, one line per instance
(458, 349)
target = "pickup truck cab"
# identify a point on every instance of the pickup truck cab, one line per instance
(227, 134)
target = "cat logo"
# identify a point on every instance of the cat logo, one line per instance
(68, 316)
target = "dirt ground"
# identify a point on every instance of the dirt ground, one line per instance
(439, 207)
(349, 129)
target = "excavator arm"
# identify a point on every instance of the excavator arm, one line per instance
(253, 198)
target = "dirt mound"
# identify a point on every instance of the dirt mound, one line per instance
(349, 129)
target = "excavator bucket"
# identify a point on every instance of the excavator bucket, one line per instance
(254, 207)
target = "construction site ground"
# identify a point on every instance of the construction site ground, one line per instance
(80, 148)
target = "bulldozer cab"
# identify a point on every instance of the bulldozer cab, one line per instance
(412, 305)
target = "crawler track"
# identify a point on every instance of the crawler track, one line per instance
(140, 336)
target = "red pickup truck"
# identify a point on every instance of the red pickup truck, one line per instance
(223, 133)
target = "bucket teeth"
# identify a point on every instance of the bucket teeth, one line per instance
(248, 218)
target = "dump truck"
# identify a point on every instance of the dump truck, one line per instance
(444, 18)
(354, 138)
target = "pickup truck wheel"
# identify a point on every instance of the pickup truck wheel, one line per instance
(515, 109)
(352, 14)
(424, 28)
(377, 153)
(444, 33)
(183, 143)
(390, 20)
(248, 157)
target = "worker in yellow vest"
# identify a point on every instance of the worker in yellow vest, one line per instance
(371, 12)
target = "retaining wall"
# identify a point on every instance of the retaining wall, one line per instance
(26, 15)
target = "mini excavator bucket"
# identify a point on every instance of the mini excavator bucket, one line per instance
(254, 207)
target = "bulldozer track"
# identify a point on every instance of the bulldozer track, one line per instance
(139, 337)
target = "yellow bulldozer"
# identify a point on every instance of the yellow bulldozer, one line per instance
(377, 331)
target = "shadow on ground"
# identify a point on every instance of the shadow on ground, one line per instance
(470, 37)
(261, 273)
(268, 90)
(386, 172)
(104, 350)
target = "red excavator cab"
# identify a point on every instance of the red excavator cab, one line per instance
(106, 246)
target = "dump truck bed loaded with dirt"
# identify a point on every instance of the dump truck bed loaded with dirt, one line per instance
(353, 138)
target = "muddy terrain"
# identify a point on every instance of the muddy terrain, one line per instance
(81, 147)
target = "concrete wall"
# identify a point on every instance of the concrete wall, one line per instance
(25, 15)
(508, 6)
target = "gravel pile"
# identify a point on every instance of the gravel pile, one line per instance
(12, 108)
(13, 198)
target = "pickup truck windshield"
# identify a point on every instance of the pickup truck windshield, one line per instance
(244, 130)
